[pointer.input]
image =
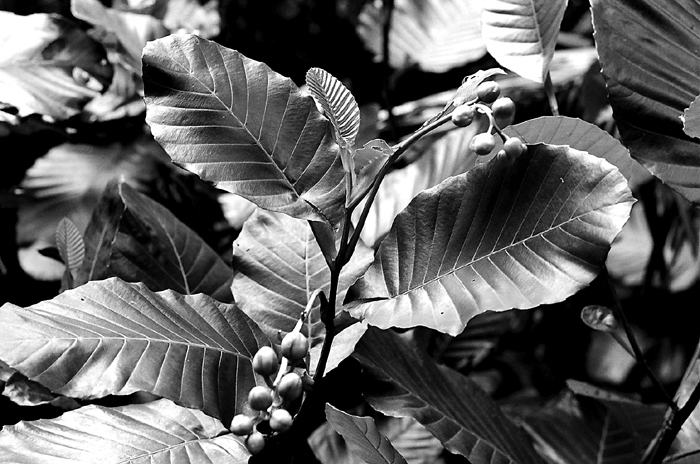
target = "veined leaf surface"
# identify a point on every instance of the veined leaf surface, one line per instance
(503, 235)
(337, 102)
(159, 432)
(235, 122)
(111, 337)
(70, 244)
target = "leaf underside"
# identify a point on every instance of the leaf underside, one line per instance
(337, 102)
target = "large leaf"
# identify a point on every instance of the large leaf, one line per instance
(363, 437)
(111, 337)
(435, 35)
(49, 66)
(338, 104)
(652, 76)
(504, 235)
(407, 382)
(157, 432)
(521, 35)
(237, 123)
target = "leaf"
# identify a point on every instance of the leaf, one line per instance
(24, 392)
(434, 35)
(504, 235)
(338, 104)
(235, 122)
(49, 66)
(363, 437)
(114, 338)
(691, 119)
(651, 78)
(343, 346)
(152, 246)
(688, 438)
(70, 245)
(521, 36)
(369, 160)
(278, 265)
(157, 432)
(463, 417)
(599, 318)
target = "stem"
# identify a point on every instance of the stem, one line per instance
(328, 319)
(549, 90)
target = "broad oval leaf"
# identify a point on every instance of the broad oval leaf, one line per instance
(114, 338)
(503, 235)
(521, 35)
(363, 437)
(652, 75)
(691, 119)
(338, 104)
(159, 432)
(406, 382)
(235, 122)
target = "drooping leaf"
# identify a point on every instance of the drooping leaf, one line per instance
(651, 78)
(49, 66)
(504, 235)
(691, 119)
(24, 392)
(70, 244)
(434, 35)
(338, 104)
(363, 437)
(152, 246)
(278, 265)
(235, 122)
(521, 35)
(159, 432)
(111, 337)
(461, 415)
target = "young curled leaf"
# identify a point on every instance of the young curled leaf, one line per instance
(599, 318)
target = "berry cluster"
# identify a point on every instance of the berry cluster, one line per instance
(272, 402)
(500, 111)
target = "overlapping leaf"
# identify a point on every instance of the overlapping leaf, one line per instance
(652, 76)
(691, 119)
(464, 418)
(521, 35)
(159, 432)
(338, 104)
(504, 235)
(235, 122)
(111, 337)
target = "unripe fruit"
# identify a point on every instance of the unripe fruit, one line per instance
(463, 115)
(482, 144)
(295, 346)
(255, 442)
(242, 424)
(265, 361)
(260, 398)
(503, 111)
(513, 147)
(488, 91)
(280, 420)
(290, 387)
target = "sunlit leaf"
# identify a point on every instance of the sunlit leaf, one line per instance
(651, 78)
(24, 392)
(201, 18)
(691, 119)
(111, 337)
(504, 235)
(338, 104)
(49, 66)
(235, 122)
(463, 417)
(521, 35)
(70, 244)
(159, 432)
(434, 35)
(363, 437)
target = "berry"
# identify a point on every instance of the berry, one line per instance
(265, 361)
(280, 420)
(463, 115)
(255, 442)
(241, 424)
(295, 346)
(514, 147)
(488, 91)
(260, 398)
(503, 111)
(290, 387)
(482, 144)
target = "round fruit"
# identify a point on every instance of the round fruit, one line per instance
(482, 144)
(280, 420)
(255, 442)
(295, 346)
(514, 147)
(463, 115)
(290, 387)
(503, 111)
(260, 398)
(488, 91)
(241, 424)
(265, 361)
